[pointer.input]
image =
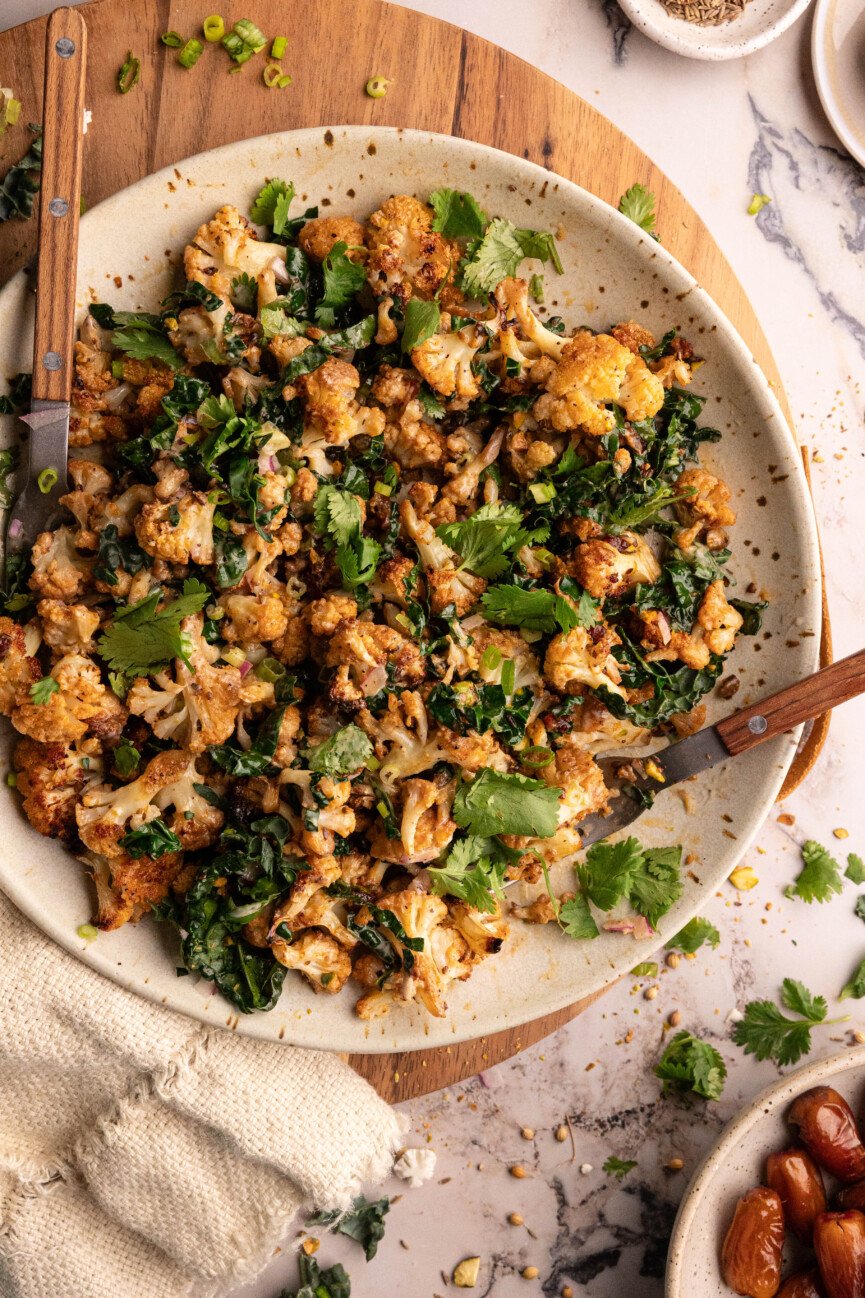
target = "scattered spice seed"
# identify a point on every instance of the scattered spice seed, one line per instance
(650, 993)
(516, 1219)
(585, 1168)
(527, 1133)
(530, 1273)
(567, 1292)
(841, 833)
(517, 1170)
(673, 960)
(561, 1134)
(675, 1164)
(675, 1018)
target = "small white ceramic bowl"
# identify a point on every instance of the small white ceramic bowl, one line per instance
(837, 50)
(736, 1163)
(758, 25)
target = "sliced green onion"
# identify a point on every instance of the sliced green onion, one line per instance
(271, 74)
(537, 756)
(129, 75)
(542, 492)
(404, 622)
(215, 613)
(490, 658)
(279, 46)
(284, 81)
(290, 476)
(190, 54)
(270, 670)
(87, 932)
(117, 369)
(214, 27)
(383, 810)
(47, 480)
(243, 40)
(382, 489)
(377, 87)
(235, 656)
(283, 931)
(372, 763)
(544, 557)
(172, 39)
(509, 676)
(220, 521)
(757, 203)
(12, 780)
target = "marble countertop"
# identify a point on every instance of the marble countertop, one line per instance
(721, 132)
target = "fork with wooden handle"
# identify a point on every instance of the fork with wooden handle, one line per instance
(59, 207)
(634, 780)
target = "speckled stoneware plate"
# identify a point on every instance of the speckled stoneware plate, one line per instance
(760, 23)
(130, 247)
(735, 1164)
(837, 54)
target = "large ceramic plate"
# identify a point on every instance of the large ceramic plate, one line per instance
(129, 254)
(735, 1164)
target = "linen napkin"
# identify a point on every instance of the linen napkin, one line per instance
(145, 1156)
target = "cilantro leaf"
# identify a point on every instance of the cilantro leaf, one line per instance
(655, 883)
(855, 868)
(345, 751)
(263, 208)
(859, 908)
(457, 214)
(618, 1167)
(766, 1033)
(126, 757)
(485, 540)
(343, 278)
(358, 561)
(146, 344)
(689, 1064)
(493, 803)
(422, 319)
(538, 610)
(693, 935)
(820, 877)
(576, 919)
(638, 204)
(363, 1222)
(337, 514)
(856, 986)
(605, 875)
(474, 871)
(41, 691)
(143, 638)
(500, 252)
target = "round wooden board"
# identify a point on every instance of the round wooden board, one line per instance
(445, 80)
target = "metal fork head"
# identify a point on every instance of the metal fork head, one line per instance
(38, 506)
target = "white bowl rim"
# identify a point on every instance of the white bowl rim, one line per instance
(767, 1102)
(823, 82)
(640, 14)
(465, 1028)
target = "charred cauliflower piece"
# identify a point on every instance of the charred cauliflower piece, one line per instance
(359, 652)
(426, 826)
(445, 361)
(18, 670)
(51, 779)
(582, 658)
(611, 565)
(59, 570)
(181, 532)
(127, 888)
(447, 583)
(406, 257)
(68, 628)
(105, 814)
(226, 247)
(333, 415)
(81, 703)
(714, 631)
(319, 235)
(325, 965)
(706, 511)
(594, 373)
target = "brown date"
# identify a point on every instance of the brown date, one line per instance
(852, 1196)
(839, 1242)
(751, 1253)
(804, 1284)
(795, 1177)
(824, 1122)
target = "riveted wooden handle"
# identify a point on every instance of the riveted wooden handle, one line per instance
(59, 204)
(800, 702)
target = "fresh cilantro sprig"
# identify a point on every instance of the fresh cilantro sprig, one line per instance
(144, 637)
(338, 519)
(689, 1064)
(499, 254)
(276, 194)
(457, 214)
(343, 279)
(487, 539)
(638, 204)
(648, 877)
(820, 878)
(696, 932)
(422, 320)
(618, 1167)
(41, 691)
(537, 610)
(474, 871)
(855, 871)
(766, 1033)
(493, 803)
(855, 988)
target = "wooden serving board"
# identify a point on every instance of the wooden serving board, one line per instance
(445, 80)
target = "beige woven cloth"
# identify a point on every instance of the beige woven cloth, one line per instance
(144, 1156)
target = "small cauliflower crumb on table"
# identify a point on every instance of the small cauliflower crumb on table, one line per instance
(367, 559)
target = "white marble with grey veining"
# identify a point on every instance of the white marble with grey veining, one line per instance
(720, 132)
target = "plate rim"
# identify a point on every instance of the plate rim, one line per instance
(820, 33)
(463, 1028)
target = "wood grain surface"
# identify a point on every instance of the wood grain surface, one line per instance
(445, 80)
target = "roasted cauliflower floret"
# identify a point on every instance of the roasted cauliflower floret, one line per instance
(471, 751)
(333, 416)
(196, 705)
(582, 658)
(443, 957)
(512, 647)
(126, 888)
(51, 779)
(322, 872)
(325, 614)
(104, 815)
(463, 487)
(426, 826)
(580, 780)
(484, 931)
(706, 509)
(714, 631)
(68, 628)
(445, 361)
(413, 443)
(181, 532)
(515, 317)
(194, 820)
(325, 965)
(81, 703)
(401, 735)
(253, 619)
(358, 651)
(594, 372)
(611, 565)
(59, 571)
(447, 583)
(318, 236)
(406, 256)
(225, 247)
(633, 336)
(18, 670)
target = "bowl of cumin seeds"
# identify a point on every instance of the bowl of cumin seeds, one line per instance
(713, 29)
